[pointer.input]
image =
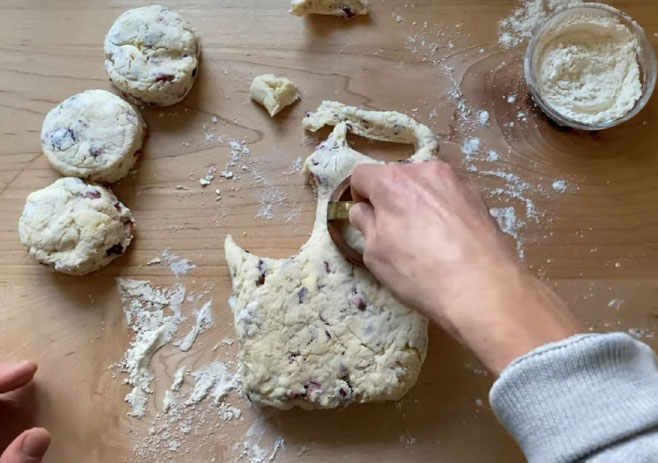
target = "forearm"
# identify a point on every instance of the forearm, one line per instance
(506, 314)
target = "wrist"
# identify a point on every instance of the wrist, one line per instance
(505, 318)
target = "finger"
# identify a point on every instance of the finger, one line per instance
(29, 447)
(13, 376)
(363, 181)
(362, 216)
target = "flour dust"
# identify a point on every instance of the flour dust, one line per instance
(197, 402)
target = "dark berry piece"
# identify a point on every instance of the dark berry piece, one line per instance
(311, 386)
(326, 267)
(358, 299)
(262, 268)
(95, 151)
(92, 194)
(302, 295)
(164, 78)
(194, 72)
(345, 392)
(118, 207)
(62, 138)
(348, 12)
(321, 179)
(117, 250)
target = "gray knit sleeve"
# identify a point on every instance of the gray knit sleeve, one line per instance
(590, 398)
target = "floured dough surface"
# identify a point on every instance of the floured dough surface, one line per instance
(94, 135)
(275, 93)
(151, 55)
(343, 8)
(314, 330)
(74, 226)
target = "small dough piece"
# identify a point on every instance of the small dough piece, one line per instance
(314, 330)
(94, 135)
(152, 55)
(343, 8)
(275, 93)
(74, 226)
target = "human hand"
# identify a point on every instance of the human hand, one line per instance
(31, 445)
(429, 238)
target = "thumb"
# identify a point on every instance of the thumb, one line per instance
(29, 447)
(362, 216)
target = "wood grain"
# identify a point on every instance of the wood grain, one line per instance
(596, 243)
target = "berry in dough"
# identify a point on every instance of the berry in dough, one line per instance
(343, 8)
(74, 226)
(275, 93)
(93, 135)
(314, 330)
(151, 55)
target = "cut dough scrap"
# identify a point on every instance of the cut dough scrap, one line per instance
(74, 226)
(151, 55)
(379, 125)
(314, 330)
(275, 93)
(94, 135)
(343, 8)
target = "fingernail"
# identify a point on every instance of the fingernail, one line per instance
(35, 445)
(26, 364)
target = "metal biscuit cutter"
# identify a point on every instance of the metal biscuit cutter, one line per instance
(338, 215)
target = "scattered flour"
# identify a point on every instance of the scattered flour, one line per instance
(252, 450)
(210, 176)
(179, 377)
(560, 186)
(510, 224)
(279, 444)
(476, 369)
(145, 307)
(517, 27)
(265, 212)
(215, 379)
(641, 333)
(178, 265)
(493, 156)
(204, 321)
(296, 166)
(229, 413)
(471, 147)
(616, 304)
(483, 117)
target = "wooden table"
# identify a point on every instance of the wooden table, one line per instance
(596, 244)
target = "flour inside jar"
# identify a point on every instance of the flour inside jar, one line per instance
(588, 69)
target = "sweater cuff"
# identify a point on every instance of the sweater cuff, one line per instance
(566, 400)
